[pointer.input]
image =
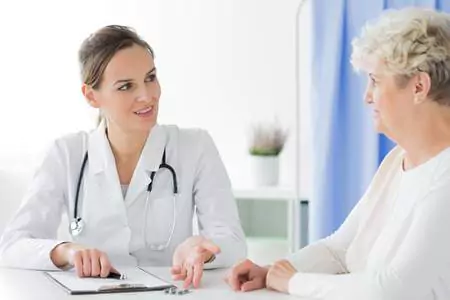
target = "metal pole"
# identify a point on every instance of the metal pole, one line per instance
(295, 245)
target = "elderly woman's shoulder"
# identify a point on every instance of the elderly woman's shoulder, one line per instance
(394, 157)
(442, 169)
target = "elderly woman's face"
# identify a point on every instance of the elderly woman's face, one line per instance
(392, 104)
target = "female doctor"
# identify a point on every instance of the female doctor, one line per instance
(131, 187)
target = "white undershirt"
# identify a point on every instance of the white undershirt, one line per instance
(124, 189)
(395, 244)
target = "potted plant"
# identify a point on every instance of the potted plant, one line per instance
(266, 143)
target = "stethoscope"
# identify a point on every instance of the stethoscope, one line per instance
(77, 224)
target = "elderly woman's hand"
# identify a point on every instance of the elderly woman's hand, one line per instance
(189, 258)
(247, 276)
(279, 275)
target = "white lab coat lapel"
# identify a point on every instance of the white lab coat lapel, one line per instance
(149, 161)
(102, 205)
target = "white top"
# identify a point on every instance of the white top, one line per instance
(394, 245)
(115, 224)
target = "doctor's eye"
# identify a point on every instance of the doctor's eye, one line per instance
(150, 78)
(125, 87)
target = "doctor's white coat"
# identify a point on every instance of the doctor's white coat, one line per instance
(114, 224)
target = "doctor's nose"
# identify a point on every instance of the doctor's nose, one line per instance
(143, 95)
(146, 95)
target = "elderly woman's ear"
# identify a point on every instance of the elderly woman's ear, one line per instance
(421, 88)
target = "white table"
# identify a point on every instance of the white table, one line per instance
(23, 285)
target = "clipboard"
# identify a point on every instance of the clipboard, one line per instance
(139, 280)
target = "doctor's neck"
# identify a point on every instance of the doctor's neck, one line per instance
(124, 144)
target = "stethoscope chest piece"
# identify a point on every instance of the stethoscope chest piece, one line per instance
(76, 226)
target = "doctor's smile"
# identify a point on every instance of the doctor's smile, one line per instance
(145, 112)
(130, 187)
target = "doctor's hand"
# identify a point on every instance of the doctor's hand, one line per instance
(279, 275)
(189, 258)
(88, 262)
(247, 276)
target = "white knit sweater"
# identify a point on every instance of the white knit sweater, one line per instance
(395, 244)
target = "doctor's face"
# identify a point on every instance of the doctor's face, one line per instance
(129, 90)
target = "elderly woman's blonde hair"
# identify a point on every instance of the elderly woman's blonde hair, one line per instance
(409, 41)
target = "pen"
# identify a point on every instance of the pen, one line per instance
(114, 275)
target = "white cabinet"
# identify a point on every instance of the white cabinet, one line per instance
(274, 219)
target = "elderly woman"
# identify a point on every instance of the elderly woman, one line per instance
(395, 244)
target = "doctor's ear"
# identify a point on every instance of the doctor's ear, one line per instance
(88, 93)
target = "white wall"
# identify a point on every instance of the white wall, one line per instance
(222, 64)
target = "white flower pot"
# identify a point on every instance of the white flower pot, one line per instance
(265, 170)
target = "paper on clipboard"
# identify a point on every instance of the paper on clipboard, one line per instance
(137, 280)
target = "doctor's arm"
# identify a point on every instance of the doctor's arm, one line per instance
(216, 207)
(30, 240)
(31, 235)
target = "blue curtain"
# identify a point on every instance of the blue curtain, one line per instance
(347, 150)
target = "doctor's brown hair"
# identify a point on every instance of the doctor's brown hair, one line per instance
(98, 49)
